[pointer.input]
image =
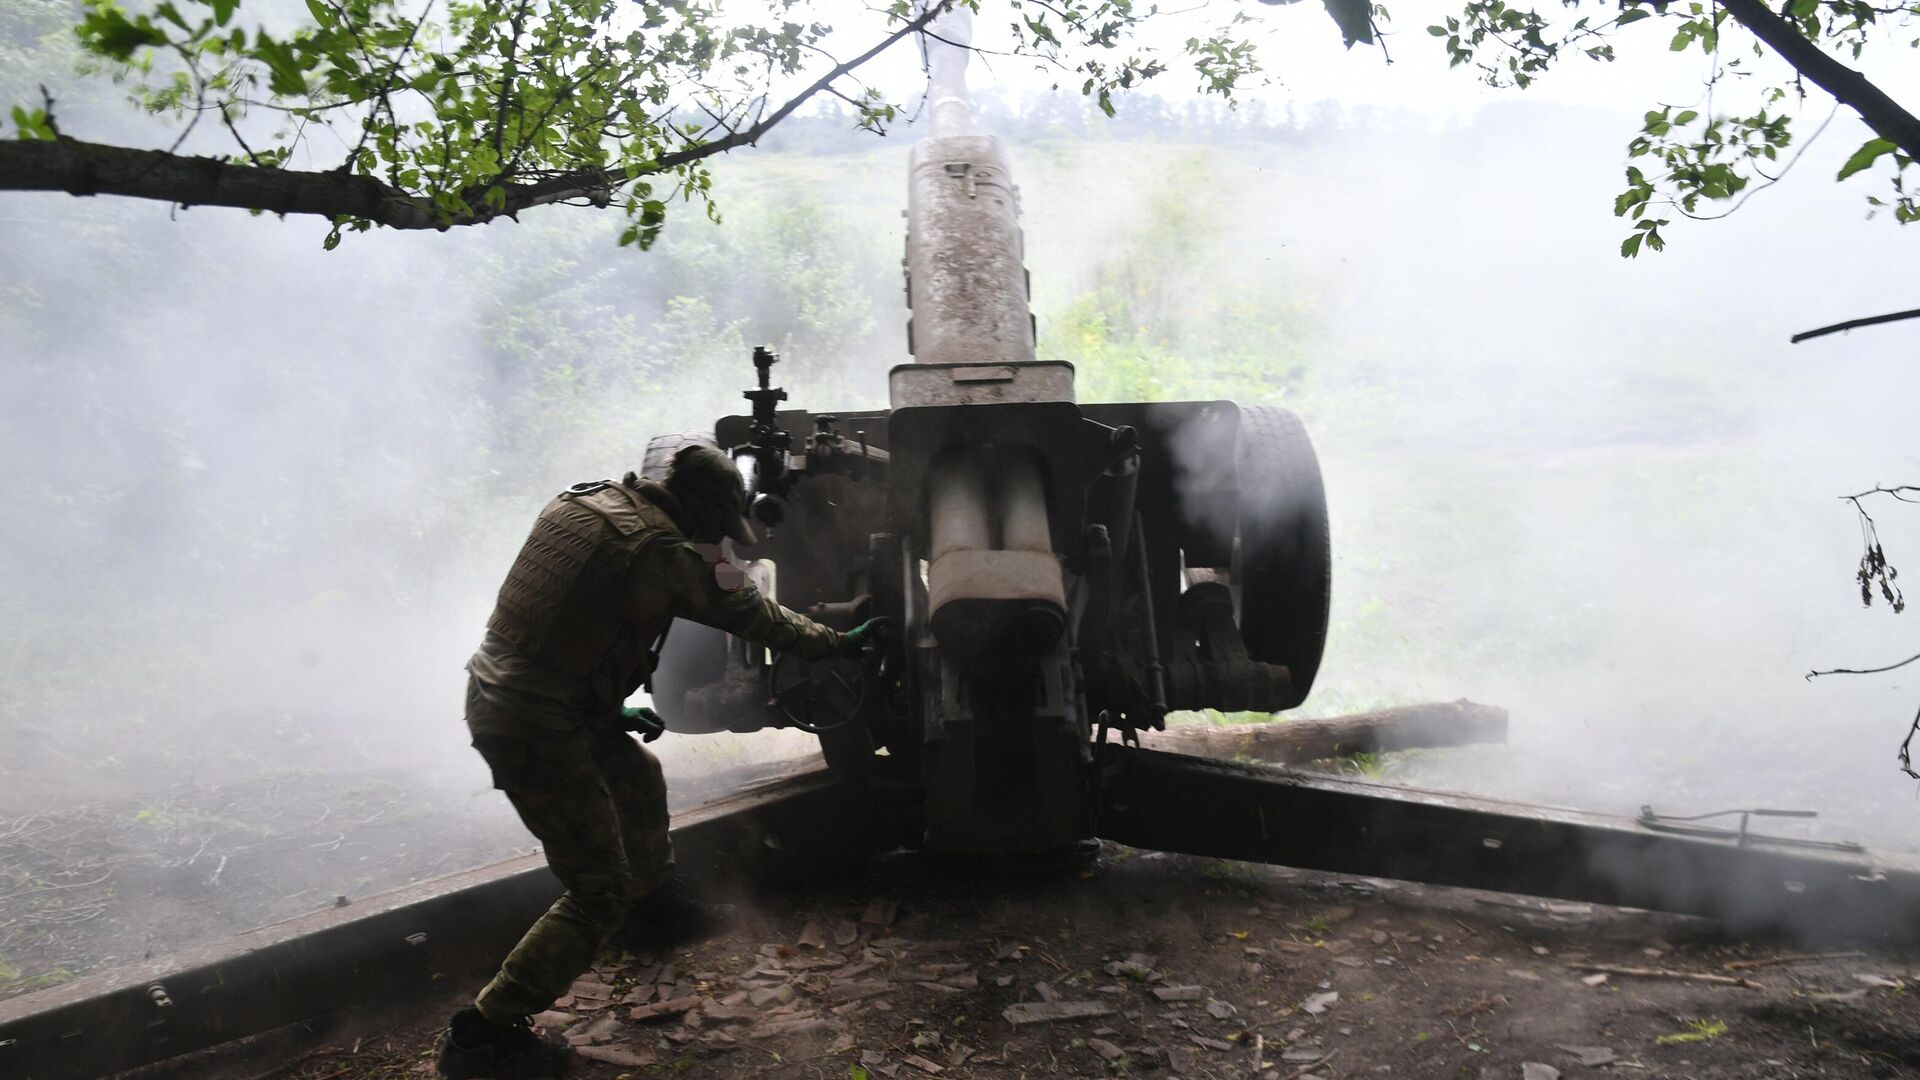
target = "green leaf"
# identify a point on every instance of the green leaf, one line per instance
(1630, 247)
(1687, 116)
(1355, 19)
(1437, 31)
(289, 75)
(1871, 151)
(223, 10)
(107, 31)
(33, 125)
(1632, 16)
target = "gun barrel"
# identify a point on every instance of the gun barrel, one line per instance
(944, 48)
(965, 262)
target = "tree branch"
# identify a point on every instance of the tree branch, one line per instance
(85, 168)
(1899, 493)
(1883, 114)
(1851, 324)
(1811, 675)
(592, 181)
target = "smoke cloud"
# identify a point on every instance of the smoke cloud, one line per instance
(260, 496)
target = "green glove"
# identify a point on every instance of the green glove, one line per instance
(643, 722)
(869, 632)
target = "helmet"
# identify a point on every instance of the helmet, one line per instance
(708, 484)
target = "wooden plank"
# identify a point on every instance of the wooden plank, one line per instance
(1262, 813)
(1404, 727)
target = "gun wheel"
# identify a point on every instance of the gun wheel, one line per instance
(1283, 560)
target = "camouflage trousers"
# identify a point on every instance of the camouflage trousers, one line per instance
(597, 802)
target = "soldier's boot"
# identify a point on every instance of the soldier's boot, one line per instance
(475, 1048)
(673, 914)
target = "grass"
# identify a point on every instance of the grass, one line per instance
(12, 981)
(1369, 765)
(1697, 1031)
(168, 820)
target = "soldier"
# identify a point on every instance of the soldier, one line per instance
(575, 632)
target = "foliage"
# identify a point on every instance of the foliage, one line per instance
(467, 111)
(590, 353)
(1687, 157)
(1158, 325)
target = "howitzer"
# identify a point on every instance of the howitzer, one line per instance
(1061, 569)
(1064, 574)
(1067, 573)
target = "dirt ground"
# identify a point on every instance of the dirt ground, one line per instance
(1197, 968)
(92, 885)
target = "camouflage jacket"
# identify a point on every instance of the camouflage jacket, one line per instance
(604, 572)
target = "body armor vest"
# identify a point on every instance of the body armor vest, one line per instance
(566, 603)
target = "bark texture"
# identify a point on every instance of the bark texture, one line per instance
(84, 168)
(1883, 114)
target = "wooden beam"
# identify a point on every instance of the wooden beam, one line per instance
(1403, 727)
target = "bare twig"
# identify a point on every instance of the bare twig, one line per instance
(1854, 324)
(1905, 753)
(35, 891)
(226, 118)
(1899, 493)
(1305, 1069)
(1792, 958)
(1811, 675)
(1048, 957)
(1667, 973)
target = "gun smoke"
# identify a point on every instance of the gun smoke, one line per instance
(262, 494)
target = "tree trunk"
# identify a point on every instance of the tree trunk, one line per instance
(1404, 727)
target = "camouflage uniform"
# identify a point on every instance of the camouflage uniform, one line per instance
(606, 569)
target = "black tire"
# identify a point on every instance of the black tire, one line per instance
(694, 655)
(1283, 562)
